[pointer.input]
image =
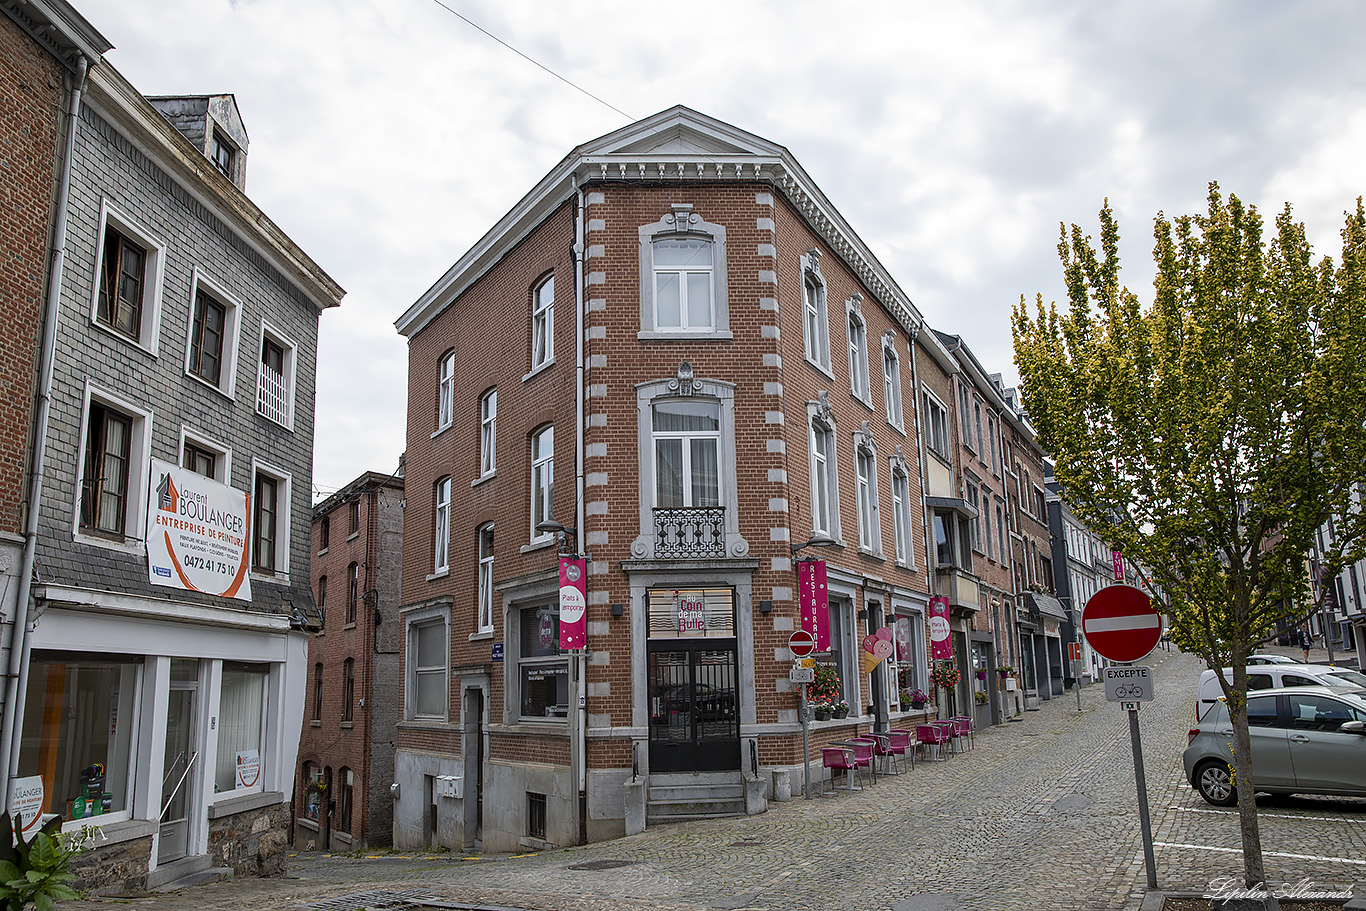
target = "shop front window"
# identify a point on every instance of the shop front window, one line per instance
(241, 721)
(543, 670)
(79, 721)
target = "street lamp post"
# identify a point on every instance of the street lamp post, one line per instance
(817, 540)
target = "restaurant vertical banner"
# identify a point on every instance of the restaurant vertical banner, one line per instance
(815, 601)
(941, 643)
(573, 603)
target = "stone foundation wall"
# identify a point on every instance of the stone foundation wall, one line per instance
(113, 869)
(252, 842)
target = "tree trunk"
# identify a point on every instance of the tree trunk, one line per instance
(1254, 868)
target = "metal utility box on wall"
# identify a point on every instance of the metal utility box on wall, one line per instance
(452, 786)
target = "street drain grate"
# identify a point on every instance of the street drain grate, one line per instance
(374, 901)
(604, 864)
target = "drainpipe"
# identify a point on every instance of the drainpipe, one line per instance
(16, 688)
(579, 745)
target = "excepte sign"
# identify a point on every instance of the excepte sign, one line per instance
(940, 643)
(573, 603)
(815, 601)
(1128, 684)
(197, 533)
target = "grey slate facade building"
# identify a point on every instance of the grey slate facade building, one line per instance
(183, 355)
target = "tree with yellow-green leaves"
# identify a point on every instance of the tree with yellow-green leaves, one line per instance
(1209, 433)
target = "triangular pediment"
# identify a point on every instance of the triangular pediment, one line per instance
(677, 132)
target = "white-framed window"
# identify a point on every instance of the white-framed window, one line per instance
(901, 513)
(858, 348)
(825, 509)
(429, 656)
(993, 445)
(816, 314)
(204, 455)
(687, 439)
(891, 382)
(990, 541)
(128, 278)
(441, 548)
(73, 702)
(977, 422)
(275, 377)
(445, 391)
(270, 520)
(488, 433)
(215, 322)
(952, 540)
(542, 480)
(683, 277)
(543, 322)
(869, 520)
(116, 438)
(485, 536)
(936, 426)
(1001, 529)
(965, 415)
(241, 725)
(542, 671)
(975, 522)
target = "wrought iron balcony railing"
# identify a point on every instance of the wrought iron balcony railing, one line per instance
(690, 533)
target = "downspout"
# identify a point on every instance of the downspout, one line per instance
(16, 683)
(579, 748)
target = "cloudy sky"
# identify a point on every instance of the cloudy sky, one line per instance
(388, 135)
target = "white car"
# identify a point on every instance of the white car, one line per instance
(1277, 676)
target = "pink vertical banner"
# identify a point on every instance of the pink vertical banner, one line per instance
(815, 601)
(1118, 560)
(941, 643)
(573, 603)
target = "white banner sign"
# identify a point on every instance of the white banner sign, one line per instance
(197, 532)
(248, 768)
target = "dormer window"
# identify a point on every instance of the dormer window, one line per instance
(223, 155)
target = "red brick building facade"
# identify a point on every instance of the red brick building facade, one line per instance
(346, 753)
(676, 358)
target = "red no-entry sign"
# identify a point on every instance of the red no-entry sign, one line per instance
(1120, 623)
(801, 644)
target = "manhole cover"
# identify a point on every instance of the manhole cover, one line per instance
(1073, 802)
(373, 901)
(603, 864)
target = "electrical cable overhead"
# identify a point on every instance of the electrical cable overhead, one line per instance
(529, 59)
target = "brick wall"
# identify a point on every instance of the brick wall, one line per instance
(30, 103)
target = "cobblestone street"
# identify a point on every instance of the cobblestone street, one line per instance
(1041, 814)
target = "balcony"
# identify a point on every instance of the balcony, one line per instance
(686, 534)
(960, 587)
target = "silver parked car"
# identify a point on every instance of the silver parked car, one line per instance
(1305, 740)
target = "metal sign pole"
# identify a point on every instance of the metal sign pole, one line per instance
(1144, 823)
(806, 745)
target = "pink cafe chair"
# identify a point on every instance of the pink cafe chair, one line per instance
(864, 754)
(932, 735)
(840, 758)
(963, 730)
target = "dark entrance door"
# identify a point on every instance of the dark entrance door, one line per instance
(694, 706)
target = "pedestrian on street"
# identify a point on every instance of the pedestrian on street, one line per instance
(1306, 641)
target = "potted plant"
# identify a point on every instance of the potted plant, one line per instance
(980, 697)
(918, 699)
(823, 711)
(840, 709)
(824, 691)
(1006, 670)
(981, 675)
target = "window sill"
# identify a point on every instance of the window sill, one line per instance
(439, 574)
(899, 428)
(229, 803)
(904, 565)
(128, 339)
(279, 578)
(484, 477)
(872, 554)
(315, 722)
(286, 427)
(656, 335)
(541, 544)
(343, 837)
(123, 544)
(349, 625)
(347, 725)
(354, 535)
(210, 384)
(481, 635)
(311, 824)
(820, 368)
(323, 552)
(539, 368)
(865, 402)
(440, 430)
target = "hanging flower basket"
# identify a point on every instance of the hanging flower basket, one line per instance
(944, 676)
(981, 675)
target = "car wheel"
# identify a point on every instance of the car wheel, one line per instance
(1215, 783)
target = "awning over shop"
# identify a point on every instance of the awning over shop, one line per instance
(1047, 605)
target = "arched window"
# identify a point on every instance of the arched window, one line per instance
(543, 322)
(542, 480)
(445, 391)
